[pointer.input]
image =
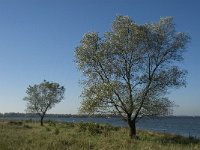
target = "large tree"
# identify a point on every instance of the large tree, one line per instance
(131, 69)
(42, 97)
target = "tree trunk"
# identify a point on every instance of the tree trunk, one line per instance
(132, 128)
(41, 120)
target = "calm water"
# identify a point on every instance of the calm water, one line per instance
(186, 126)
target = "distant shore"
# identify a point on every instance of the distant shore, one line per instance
(14, 114)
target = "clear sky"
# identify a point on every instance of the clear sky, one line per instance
(38, 39)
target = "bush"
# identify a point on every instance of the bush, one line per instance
(69, 124)
(47, 129)
(19, 123)
(56, 131)
(51, 123)
(95, 128)
(92, 128)
(27, 126)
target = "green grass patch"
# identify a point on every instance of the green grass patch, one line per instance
(24, 135)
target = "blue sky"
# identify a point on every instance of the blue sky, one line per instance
(38, 39)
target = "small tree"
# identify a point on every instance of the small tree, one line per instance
(42, 97)
(130, 70)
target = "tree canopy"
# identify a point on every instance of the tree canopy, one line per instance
(42, 97)
(130, 70)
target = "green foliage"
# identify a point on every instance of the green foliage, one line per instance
(130, 69)
(95, 128)
(167, 138)
(51, 123)
(42, 97)
(27, 126)
(92, 128)
(48, 129)
(56, 131)
(18, 123)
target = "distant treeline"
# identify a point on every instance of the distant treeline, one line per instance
(28, 115)
(32, 115)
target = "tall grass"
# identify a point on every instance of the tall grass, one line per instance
(85, 136)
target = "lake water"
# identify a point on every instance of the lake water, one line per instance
(186, 126)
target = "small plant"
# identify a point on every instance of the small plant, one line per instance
(27, 126)
(51, 123)
(70, 124)
(47, 129)
(19, 123)
(95, 128)
(29, 120)
(56, 131)
(82, 127)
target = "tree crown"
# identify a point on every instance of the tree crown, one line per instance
(131, 69)
(42, 97)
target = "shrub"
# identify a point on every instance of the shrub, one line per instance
(19, 123)
(27, 126)
(56, 131)
(95, 128)
(47, 129)
(51, 123)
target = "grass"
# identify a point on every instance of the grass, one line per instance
(85, 136)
